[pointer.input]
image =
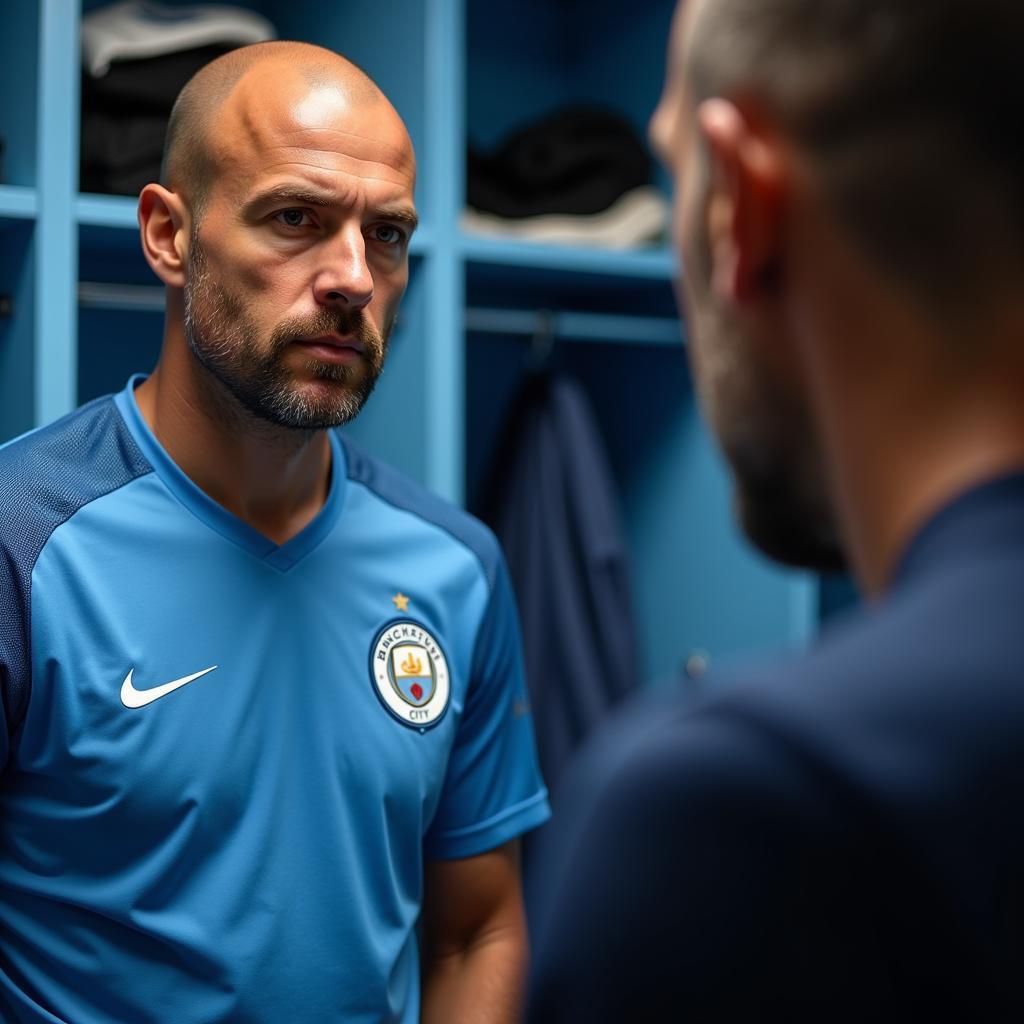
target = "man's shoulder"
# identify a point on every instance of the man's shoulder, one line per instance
(949, 647)
(929, 678)
(47, 474)
(424, 508)
(665, 750)
(740, 808)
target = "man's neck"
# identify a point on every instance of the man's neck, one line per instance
(272, 478)
(911, 418)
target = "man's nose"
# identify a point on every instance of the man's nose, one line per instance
(343, 278)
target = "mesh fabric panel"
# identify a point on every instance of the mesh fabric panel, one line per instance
(45, 478)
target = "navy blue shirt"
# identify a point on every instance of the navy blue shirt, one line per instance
(838, 837)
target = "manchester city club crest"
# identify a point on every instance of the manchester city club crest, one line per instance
(412, 673)
(409, 671)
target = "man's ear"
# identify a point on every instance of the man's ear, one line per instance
(164, 223)
(745, 206)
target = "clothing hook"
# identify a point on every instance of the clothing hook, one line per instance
(543, 341)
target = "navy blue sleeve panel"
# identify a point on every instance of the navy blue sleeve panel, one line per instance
(494, 760)
(46, 476)
(701, 870)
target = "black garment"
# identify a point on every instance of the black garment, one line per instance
(578, 160)
(121, 155)
(125, 115)
(149, 85)
(553, 505)
(838, 839)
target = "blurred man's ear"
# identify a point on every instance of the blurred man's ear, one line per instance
(745, 204)
(164, 226)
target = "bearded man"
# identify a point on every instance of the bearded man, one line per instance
(262, 696)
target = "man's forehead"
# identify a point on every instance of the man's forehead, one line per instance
(276, 118)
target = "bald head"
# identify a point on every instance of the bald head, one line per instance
(901, 105)
(191, 152)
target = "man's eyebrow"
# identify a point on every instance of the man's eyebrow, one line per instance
(289, 194)
(278, 194)
(400, 214)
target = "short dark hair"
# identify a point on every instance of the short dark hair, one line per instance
(909, 108)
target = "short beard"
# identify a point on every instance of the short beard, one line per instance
(782, 495)
(783, 508)
(226, 343)
(766, 434)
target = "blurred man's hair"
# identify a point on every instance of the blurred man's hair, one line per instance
(910, 109)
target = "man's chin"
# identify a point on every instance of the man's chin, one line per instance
(322, 403)
(796, 533)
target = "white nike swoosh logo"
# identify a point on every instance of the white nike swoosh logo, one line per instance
(132, 698)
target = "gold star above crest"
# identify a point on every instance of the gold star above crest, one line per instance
(401, 602)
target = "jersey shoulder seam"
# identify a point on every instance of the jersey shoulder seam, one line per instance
(419, 502)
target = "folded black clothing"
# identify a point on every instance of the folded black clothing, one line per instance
(125, 115)
(121, 154)
(127, 181)
(146, 85)
(577, 160)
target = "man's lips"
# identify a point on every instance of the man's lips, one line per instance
(333, 348)
(334, 341)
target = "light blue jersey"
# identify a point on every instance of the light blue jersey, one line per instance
(225, 760)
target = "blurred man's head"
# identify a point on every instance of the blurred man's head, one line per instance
(288, 178)
(797, 129)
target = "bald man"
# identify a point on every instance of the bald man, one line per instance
(263, 705)
(834, 837)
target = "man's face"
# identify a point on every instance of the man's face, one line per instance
(748, 394)
(297, 267)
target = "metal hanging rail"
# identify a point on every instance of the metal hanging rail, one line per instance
(568, 326)
(122, 297)
(608, 327)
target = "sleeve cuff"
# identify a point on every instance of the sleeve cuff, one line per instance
(490, 833)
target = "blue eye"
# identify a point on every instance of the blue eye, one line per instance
(388, 234)
(293, 218)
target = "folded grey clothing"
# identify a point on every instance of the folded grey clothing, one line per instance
(148, 85)
(121, 154)
(134, 29)
(638, 218)
(577, 160)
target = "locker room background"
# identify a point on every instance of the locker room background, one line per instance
(76, 322)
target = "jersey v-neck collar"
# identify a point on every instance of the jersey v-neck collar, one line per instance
(279, 556)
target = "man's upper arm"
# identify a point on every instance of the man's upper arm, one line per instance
(493, 791)
(46, 476)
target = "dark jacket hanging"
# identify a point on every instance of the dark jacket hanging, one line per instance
(553, 504)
